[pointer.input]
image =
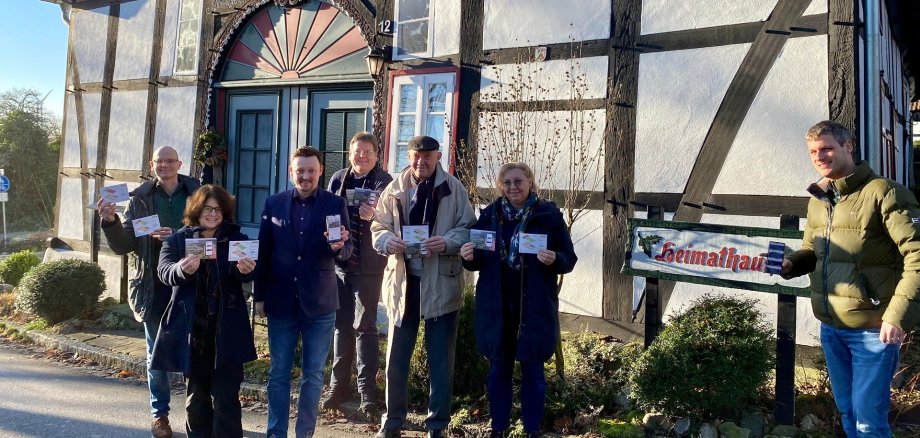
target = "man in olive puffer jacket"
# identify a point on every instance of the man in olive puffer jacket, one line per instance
(862, 250)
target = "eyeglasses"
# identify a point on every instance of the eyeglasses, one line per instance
(168, 162)
(207, 209)
(516, 183)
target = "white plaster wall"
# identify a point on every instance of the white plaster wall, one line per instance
(168, 55)
(176, 122)
(548, 150)
(807, 326)
(446, 27)
(71, 134)
(90, 27)
(135, 27)
(91, 105)
(70, 216)
(678, 96)
(126, 130)
(583, 78)
(668, 15)
(582, 293)
(520, 23)
(769, 150)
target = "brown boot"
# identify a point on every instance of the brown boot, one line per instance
(160, 427)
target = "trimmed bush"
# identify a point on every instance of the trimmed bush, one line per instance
(61, 289)
(709, 362)
(16, 265)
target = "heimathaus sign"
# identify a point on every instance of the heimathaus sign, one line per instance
(717, 255)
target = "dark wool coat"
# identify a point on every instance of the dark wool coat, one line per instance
(234, 342)
(539, 299)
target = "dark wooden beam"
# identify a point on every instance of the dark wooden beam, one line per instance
(105, 116)
(72, 80)
(843, 75)
(728, 34)
(736, 205)
(619, 155)
(518, 55)
(469, 106)
(741, 92)
(153, 83)
(201, 100)
(438, 62)
(544, 105)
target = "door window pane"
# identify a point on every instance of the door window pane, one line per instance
(407, 97)
(255, 143)
(437, 97)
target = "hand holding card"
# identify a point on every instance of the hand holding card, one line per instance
(145, 225)
(333, 228)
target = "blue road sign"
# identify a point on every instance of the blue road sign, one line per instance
(4, 184)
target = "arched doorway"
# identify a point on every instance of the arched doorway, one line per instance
(287, 77)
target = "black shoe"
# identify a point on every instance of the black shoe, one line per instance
(389, 433)
(369, 406)
(435, 433)
(533, 434)
(334, 398)
(498, 434)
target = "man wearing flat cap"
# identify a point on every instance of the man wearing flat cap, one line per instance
(422, 283)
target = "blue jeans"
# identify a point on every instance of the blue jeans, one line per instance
(440, 342)
(860, 368)
(157, 381)
(533, 394)
(316, 333)
(356, 320)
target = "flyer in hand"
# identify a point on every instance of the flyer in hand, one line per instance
(243, 248)
(115, 193)
(145, 225)
(531, 243)
(366, 196)
(334, 228)
(414, 235)
(205, 248)
(483, 239)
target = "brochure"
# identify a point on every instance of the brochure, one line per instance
(366, 196)
(145, 225)
(531, 243)
(205, 248)
(243, 248)
(414, 235)
(334, 227)
(483, 239)
(775, 255)
(115, 193)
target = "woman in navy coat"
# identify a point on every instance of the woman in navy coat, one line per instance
(517, 301)
(205, 331)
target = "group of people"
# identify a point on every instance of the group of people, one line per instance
(323, 288)
(861, 247)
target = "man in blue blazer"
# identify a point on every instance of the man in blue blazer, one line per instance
(296, 287)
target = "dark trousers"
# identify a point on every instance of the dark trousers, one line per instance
(356, 324)
(533, 393)
(212, 402)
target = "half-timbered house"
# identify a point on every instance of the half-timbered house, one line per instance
(698, 107)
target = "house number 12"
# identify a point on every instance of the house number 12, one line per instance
(386, 26)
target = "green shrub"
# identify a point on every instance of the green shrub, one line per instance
(594, 376)
(708, 362)
(611, 428)
(16, 265)
(470, 368)
(61, 289)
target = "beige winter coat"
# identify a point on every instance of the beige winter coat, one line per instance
(442, 275)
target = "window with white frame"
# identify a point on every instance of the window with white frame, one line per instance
(187, 36)
(413, 29)
(421, 105)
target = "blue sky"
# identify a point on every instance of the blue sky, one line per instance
(33, 40)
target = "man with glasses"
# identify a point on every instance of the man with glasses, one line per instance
(359, 279)
(165, 197)
(422, 282)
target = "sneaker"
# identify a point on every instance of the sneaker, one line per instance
(160, 427)
(334, 398)
(389, 433)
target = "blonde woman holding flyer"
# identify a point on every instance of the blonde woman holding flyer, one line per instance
(520, 245)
